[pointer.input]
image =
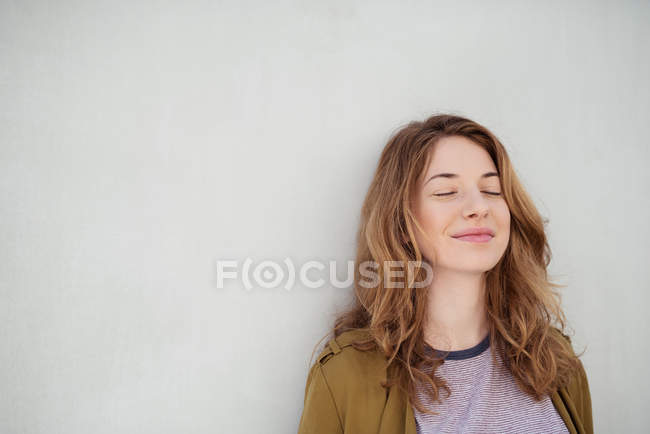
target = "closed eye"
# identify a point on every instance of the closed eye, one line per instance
(453, 192)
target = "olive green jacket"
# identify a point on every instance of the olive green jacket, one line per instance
(344, 395)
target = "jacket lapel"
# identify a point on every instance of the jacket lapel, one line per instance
(398, 415)
(409, 423)
(565, 406)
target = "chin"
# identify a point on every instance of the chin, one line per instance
(468, 268)
(478, 266)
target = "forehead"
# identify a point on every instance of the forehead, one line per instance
(459, 155)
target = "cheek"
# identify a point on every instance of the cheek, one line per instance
(501, 213)
(433, 220)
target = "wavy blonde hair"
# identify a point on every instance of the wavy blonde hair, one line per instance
(526, 322)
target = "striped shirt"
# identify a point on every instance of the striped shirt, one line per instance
(484, 399)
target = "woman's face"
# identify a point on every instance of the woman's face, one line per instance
(466, 196)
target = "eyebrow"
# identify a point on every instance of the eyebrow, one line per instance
(454, 175)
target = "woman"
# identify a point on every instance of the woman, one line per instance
(469, 339)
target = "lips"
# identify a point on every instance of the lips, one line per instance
(483, 233)
(484, 238)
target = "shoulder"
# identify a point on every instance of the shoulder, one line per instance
(579, 394)
(352, 375)
(579, 379)
(343, 391)
(340, 361)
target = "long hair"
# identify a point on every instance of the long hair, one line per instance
(523, 309)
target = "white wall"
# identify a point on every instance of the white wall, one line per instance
(143, 141)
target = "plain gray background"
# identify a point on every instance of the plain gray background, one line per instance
(143, 141)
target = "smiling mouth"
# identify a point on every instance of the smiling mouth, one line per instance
(482, 238)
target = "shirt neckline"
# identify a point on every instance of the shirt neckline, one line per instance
(462, 354)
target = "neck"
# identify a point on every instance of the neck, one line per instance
(456, 316)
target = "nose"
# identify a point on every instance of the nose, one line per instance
(476, 207)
